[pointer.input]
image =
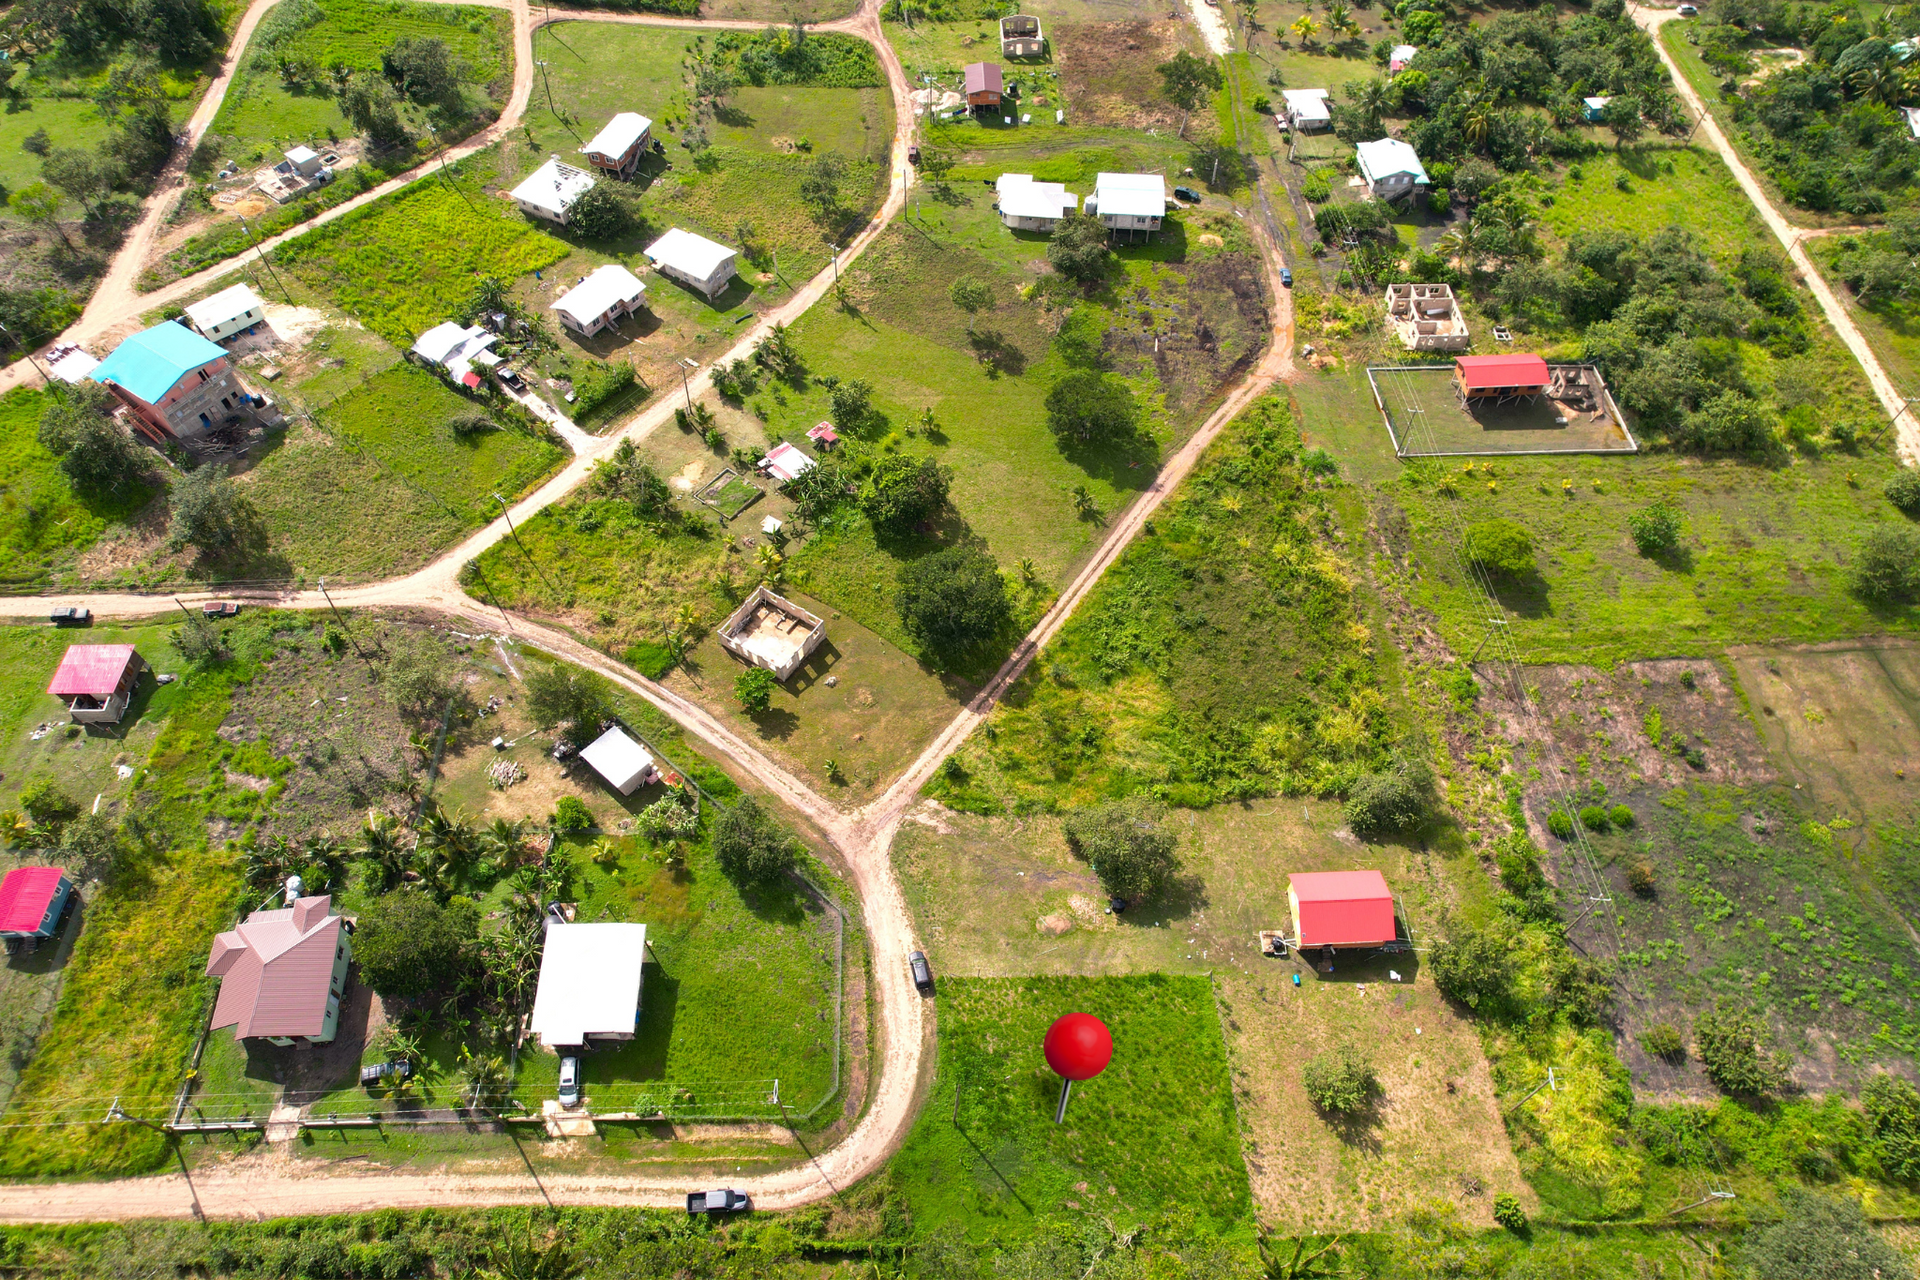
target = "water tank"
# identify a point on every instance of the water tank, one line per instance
(294, 889)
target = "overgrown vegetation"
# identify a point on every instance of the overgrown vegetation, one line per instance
(45, 519)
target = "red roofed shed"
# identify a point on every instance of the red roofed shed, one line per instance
(97, 680)
(1341, 909)
(1499, 377)
(983, 84)
(31, 902)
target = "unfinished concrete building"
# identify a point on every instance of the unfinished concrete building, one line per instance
(773, 632)
(1426, 317)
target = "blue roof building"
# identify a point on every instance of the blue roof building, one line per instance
(175, 381)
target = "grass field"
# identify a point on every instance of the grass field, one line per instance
(1427, 419)
(1156, 1130)
(69, 122)
(44, 524)
(1666, 185)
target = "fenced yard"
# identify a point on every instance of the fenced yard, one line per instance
(1426, 419)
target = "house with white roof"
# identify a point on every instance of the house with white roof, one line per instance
(1129, 201)
(1391, 168)
(1307, 108)
(693, 260)
(600, 300)
(456, 350)
(69, 363)
(552, 189)
(590, 984)
(1594, 110)
(227, 312)
(1400, 58)
(617, 148)
(625, 764)
(1026, 205)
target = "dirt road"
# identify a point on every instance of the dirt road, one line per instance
(1906, 418)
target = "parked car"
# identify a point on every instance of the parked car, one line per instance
(719, 1200)
(391, 1072)
(922, 974)
(1188, 194)
(1286, 276)
(913, 155)
(1688, 11)
(72, 615)
(570, 1081)
(220, 609)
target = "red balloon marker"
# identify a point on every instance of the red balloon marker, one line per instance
(1078, 1047)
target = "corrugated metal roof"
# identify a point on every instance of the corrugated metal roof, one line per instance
(594, 296)
(151, 361)
(276, 968)
(90, 669)
(1502, 371)
(25, 895)
(619, 135)
(589, 982)
(1343, 908)
(983, 77)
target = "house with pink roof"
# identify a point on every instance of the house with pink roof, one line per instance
(97, 681)
(283, 972)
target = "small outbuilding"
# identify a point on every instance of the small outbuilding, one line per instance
(624, 763)
(590, 984)
(1391, 168)
(69, 363)
(32, 901)
(983, 84)
(553, 189)
(1128, 201)
(1400, 57)
(97, 681)
(282, 973)
(1020, 37)
(1340, 909)
(617, 148)
(784, 462)
(773, 632)
(694, 261)
(598, 301)
(456, 349)
(1594, 110)
(1307, 108)
(1500, 379)
(1026, 205)
(227, 312)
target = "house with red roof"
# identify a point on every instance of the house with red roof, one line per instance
(97, 681)
(1340, 909)
(32, 902)
(982, 83)
(1499, 378)
(283, 972)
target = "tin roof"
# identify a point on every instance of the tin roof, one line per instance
(275, 968)
(228, 304)
(596, 295)
(25, 895)
(1342, 908)
(589, 982)
(1387, 157)
(1502, 371)
(983, 77)
(90, 670)
(619, 135)
(689, 253)
(151, 361)
(554, 187)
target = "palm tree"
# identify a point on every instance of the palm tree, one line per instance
(503, 840)
(1303, 29)
(386, 858)
(268, 864)
(483, 1079)
(324, 852)
(1474, 122)
(1339, 19)
(450, 843)
(1462, 245)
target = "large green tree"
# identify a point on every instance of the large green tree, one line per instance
(411, 946)
(96, 455)
(208, 512)
(900, 492)
(579, 701)
(1078, 249)
(1187, 80)
(1126, 844)
(751, 845)
(1088, 407)
(952, 599)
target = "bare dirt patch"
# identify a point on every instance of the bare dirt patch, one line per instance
(1107, 71)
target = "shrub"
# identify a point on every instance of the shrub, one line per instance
(1090, 407)
(1888, 567)
(1340, 1082)
(1472, 966)
(900, 492)
(409, 945)
(580, 700)
(1663, 1041)
(1560, 824)
(1315, 187)
(571, 814)
(1508, 1213)
(1728, 1042)
(1655, 529)
(47, 804)
(1500, 546)
(668, 818)
(1126, 846)
(1893, 1109)
(1621, 816)
(1821, 1235)
(208, 512)
(1078, 249)
(1640, 877)
(751, 845)
(1398, 799)
(1903, 490)
(754, 688)
(198, 641)
(1594, 818)
(952, 599)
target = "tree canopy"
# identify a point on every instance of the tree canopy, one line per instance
(900, 492)
(952, 599)
(751, 845)
(561, 695)
(411, 946)
(96, 455)
(1126, 845)
(1088, 407)
(1078, 248)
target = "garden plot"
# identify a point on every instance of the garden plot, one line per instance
(1004, 896)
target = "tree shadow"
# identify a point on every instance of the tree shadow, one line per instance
(1124, 464)
(1677, 559)
(1359, 1130)
(992, 345)
(1525, 594)
(734, 117)
(776, 723)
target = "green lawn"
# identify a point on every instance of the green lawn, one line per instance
(1666, 185)
(69, 122)
(44, 524)
(1155, 1132)
(1891, 328)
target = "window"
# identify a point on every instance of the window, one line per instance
(205, 421)
(203, 375)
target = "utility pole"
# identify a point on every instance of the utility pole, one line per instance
(836, 263)
(262, 253)
(685, 366)
(183, 609)
(345, 630)
(29, 351)
(507, 514)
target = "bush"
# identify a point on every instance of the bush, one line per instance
(1397, 799)
(1729, 1044)
(1078, 249)
(1560, 824)
(1126, 846)
(198, 641)
(1821, 1235)
(580, 700)
(409, 945)
(1663, 1041)
(754, 688)
(901, 492)
(751, 845)
(952, 599)
(1621, 816)
(1594, 818)
(1893, 1109)
(1508, 1213)
(1340, 1082)
(1472, 966)
(668, 818)
(571, 814)
(1640, 877)
(1500, 547)
(1090, 407)
(1655, 529)
(209, 514)
(1315, 187)
(1903, 491)
(1888, 567)
(47, 804)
